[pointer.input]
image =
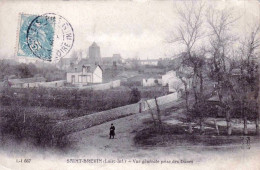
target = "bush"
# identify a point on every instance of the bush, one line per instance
(30, 127)
(66, 99)
(135, 95)
(22, 70)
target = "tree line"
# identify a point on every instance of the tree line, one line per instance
(11, 68)
(218, 69)
(88, 100)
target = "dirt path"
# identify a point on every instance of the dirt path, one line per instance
(94, 142)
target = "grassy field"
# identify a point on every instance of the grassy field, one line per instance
(136, 138)
(175, 132)
(63, 104)
(177, 135)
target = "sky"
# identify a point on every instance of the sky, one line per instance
(130, 28)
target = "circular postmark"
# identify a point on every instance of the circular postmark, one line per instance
(50, 37)
(63, 38)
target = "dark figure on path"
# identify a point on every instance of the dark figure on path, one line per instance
(112, 131)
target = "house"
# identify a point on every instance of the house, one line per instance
(166, 77)
(152, 81)
(175, 85)
(85, 74)
(133, 63)
(151, 62)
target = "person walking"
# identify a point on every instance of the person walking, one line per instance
(112, 131)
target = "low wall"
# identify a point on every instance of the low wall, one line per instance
(59, 83)
(98, 118)
(26, 85)
(116, 83)
(160, 100)
(88, 121)
(104, 86)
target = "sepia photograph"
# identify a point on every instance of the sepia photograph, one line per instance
(129, 84)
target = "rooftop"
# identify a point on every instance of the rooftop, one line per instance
(78, 68)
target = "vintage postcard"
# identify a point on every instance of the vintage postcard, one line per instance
(131, 84)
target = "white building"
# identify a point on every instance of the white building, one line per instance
(175, 85)
(151, 62)
(85, 74)
(169, 75)
(148, 82)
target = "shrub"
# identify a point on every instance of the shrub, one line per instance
(67, 99)
(30, 127)
(135, 95)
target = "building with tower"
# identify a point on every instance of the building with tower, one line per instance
(94, 54)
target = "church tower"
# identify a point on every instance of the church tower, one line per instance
(94, 54)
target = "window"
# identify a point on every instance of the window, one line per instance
(73, 79)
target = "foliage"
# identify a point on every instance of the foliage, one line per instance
(220, 68)
(135, 95)
(58, 98)
(26, 126)
(22, 70)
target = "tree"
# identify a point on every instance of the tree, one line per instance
(221, 40)
(189, 33)
(135, 95)
(249, 76)
(185, 80)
